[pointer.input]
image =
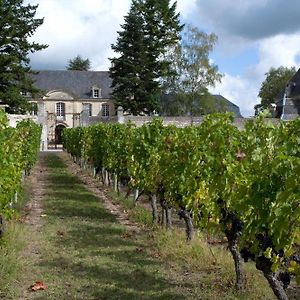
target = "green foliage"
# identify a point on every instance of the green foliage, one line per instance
(275, 82)
(252, 174)
(17, 26)
(79, 64)
(269, 187)
(145, 167)
(150, 28)
(11, 259)
(18, 152)
(192, 74)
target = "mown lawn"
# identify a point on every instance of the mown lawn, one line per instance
(83, 252)
(86, 254)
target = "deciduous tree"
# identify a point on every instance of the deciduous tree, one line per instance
(193, 73)
(275, 81)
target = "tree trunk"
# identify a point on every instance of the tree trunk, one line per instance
(128, 192)
(264, 264)
(169, 218)
(16, 197)
(185, 215)
(233, 230)
(2, 226)
(163, 217)
(276, 286)
(152, 198)
(136, 196)
(115, 183)
(165, 214)
(233, 247)
(106, 178)
(103, 175)
(109, 176)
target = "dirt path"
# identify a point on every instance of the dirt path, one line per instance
(33, 216)
(33, 209)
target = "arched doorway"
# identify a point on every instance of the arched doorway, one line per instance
(58, 134)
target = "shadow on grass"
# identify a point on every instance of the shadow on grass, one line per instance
(63, 180)
(111, 266)
(52, 160)
(95, 254)
(68, 206)
(104, 282)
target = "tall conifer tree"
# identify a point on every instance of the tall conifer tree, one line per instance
(17, 25)
(150, 28)
(126, 69)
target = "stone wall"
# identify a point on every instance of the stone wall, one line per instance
(186, 121)
(15, 119)
(40, 119)
(176, 121)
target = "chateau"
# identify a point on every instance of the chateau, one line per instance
(80, 98)
(66, 96)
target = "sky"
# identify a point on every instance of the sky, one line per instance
(253, 36)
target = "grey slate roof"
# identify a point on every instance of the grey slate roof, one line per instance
(222, 101)
(291, 109)
(78, 83)
(294, 85)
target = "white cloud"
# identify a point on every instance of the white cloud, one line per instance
(186, 7)
(277, 51)
(236, 90)
(280, 50)
(87, 28)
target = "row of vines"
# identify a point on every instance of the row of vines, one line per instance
(18, 152)
(244, 182)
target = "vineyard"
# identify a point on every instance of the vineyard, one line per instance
(18, 152)
(245, 184)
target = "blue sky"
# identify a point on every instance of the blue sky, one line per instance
(235, 63)
(253, 36)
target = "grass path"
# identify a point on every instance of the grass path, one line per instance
(83, 243)
(82, 252)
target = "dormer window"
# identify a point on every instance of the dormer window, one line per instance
(24, 93)
(96, 92)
